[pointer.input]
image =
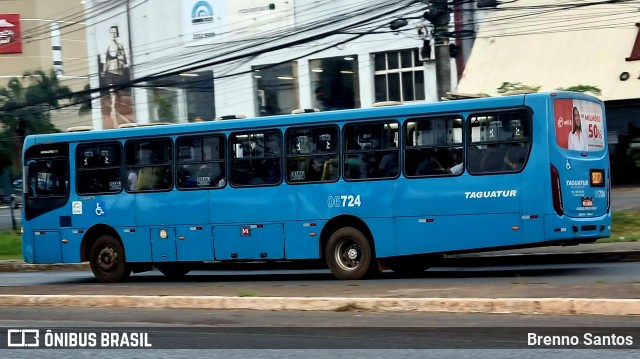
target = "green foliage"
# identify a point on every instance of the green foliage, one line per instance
(165, 102)
(25, 109)
(625, 227)
(516, 86)
(582, 88)
(10, 245)
(83, 99)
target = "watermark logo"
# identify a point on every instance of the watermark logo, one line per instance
(23, 338)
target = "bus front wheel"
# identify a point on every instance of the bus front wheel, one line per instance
(107, 260)
(348, 254)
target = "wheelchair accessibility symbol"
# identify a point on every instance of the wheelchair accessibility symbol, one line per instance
(568, 165)
(99, 209)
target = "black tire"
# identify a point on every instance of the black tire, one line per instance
(107, 260)
(174, 270)
(348, 254)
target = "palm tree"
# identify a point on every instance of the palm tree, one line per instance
(25, 108)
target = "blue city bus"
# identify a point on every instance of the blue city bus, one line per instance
(362, 190)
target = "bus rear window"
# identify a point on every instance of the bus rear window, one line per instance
(579, 125)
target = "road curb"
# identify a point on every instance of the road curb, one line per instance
(26, 267)
(548, 306)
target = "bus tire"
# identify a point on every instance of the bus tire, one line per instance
(174, 270)
(348, 254)
(107, 260)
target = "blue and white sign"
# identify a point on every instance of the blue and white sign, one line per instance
(203, 19)
(100, 209)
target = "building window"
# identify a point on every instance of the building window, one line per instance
(187, 97)
(398, 76)
(334, 82)
(276, 88)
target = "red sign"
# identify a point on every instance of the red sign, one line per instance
(10, 41)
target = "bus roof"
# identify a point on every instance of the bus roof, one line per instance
(412, 109)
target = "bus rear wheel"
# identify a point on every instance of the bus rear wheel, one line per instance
(348, 254)
(107, 260)
(174, 270)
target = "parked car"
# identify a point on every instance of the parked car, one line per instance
(16, 196)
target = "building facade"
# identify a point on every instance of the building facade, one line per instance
(553, 45)
(193, 60)
(43, 35)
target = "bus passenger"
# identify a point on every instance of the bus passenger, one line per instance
(514, 159)
(389, 165)
(132, 178)
(430, 166)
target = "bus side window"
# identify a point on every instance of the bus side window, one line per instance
(311, 155)
(151, 161)
(261, 165)
(98, 168)
(500, 142)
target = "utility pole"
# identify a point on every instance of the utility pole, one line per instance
(438, 14)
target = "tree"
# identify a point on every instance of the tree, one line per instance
(83, 100)
(582, 88)
(516, 86)
(25, 109)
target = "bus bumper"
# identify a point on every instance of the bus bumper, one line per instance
(578, 230)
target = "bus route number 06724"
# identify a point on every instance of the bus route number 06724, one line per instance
(344, 201)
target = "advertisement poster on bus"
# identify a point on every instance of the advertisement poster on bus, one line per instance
(10, 41)
(114, 66)
(579, 125)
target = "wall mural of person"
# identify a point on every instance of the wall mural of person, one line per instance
(114, 64)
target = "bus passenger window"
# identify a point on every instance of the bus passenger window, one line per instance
(98, 168)
(311, 156)
(500, 142)
(260, 162)
(371, 151)
(434, 147)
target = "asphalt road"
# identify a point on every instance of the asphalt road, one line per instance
(247, 334)
(581, 280)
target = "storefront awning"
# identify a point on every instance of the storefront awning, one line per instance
(556, 47)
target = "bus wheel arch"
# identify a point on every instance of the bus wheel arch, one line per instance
(348, 248)
(104, 250)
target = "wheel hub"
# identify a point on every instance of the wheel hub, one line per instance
(352, 253)
(107, 258)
